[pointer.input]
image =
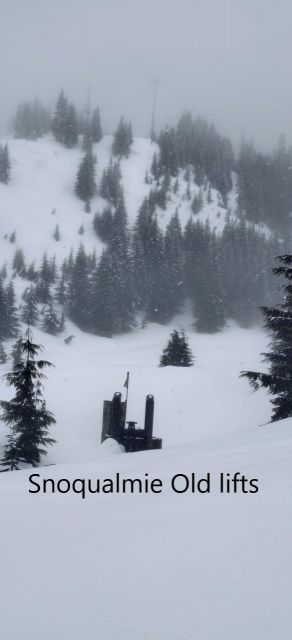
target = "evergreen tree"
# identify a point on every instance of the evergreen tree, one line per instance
(51, 323)
(278, 322)
(18, 264)
(85, 186)
(71, 127)
(5, 164)
(110, 187)
(29, 311)
(61, 291)
(168, 158)
(59, 122)
(152, 291)
(197, 203)
(174, 262)
(26, 412)
(103, 224)
(95, 126)
(32, 120)
(11, 312)
(202, 277)
(123, 139)
(3, 312)
(177, 352)
(79, 291)
(31, 273)
(56, 234)
(17, 353)
(112, 288)
(3, 355)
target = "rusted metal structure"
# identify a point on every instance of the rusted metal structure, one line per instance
(115, 425)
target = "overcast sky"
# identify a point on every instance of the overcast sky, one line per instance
(228, 60)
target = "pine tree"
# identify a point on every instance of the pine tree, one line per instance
(26, 413)
(123, 139)
(71, 127)
(278, 322)
(59, 122)
(17, 353)
(11, 312)
(177, 352)
(95, 126)
(79, 291)
(29, 311)
(51, 323)
(5, 164)
(32, 120)
(174, 262)
(110, 187)
(61, 291)
(18, 264)
(197, 203)
(103, 224)
(56, 234)
(112, 297)
(3, 312)
(3, 355)
(85, 186)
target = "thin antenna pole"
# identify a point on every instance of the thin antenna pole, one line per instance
(152, 132)
(127, 382)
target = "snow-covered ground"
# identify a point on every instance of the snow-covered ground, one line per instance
(169, 566)
(140, 566)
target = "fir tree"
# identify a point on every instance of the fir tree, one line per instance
(3, 312)
(29, 311)
(110, 186)
(59, 122)
(79, 291)
(95, 126)
(5, 164)
(26, 412)
(18, 264)
(11, 312)
(17, 352)
(61, 291)
(197, 203)
(85, 186)
(3, 355)
(71, 127)
(32, 120)
(278, 322)
(56, 234)
(177, 352)
(123, 139)
(103, 224)
(51, 323)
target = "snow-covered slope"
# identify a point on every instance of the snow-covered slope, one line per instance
(167, 566)
(41, 195)
(122, 567)
(125, 567)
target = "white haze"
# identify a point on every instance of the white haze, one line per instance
(227, 60)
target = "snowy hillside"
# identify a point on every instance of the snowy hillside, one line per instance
(41, 195)
(140, 567)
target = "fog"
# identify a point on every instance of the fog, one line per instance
(228, 60)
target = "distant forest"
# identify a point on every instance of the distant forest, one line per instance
(143, 273)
